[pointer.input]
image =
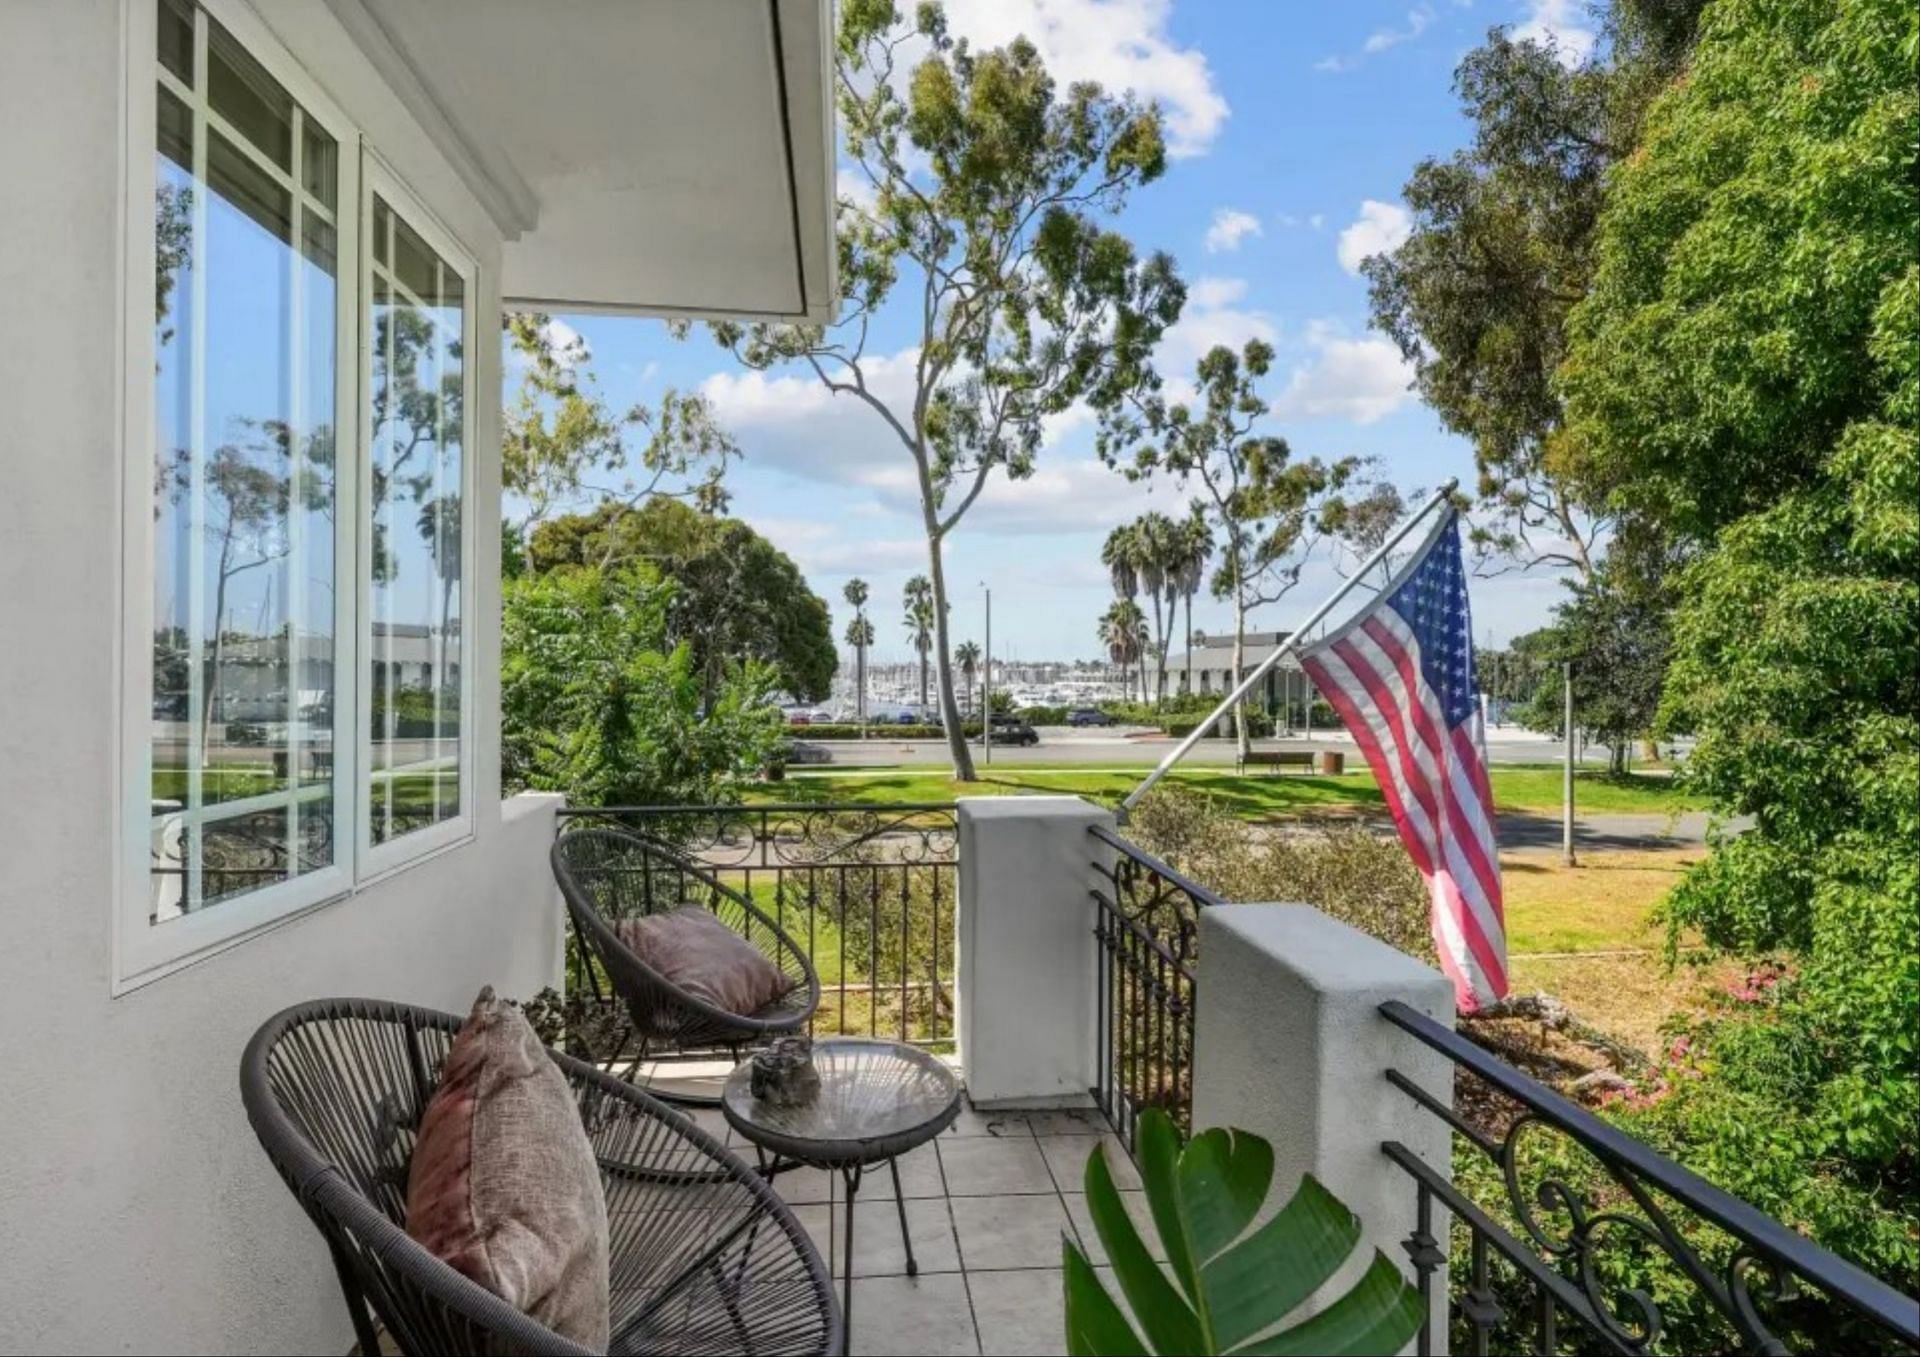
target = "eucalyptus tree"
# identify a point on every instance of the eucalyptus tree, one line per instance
(922, 621)
(860, 637)
(1265, 505)
(990, 192)
(560, 443)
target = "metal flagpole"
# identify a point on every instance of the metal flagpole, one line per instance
(1287, 647)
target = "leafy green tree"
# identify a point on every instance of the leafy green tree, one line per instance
(560, 444)
(1616, 632)
(1745, 376)
(990, 188)
(1502, 248)
(739, 597)
(596, 702)
(1265, 506)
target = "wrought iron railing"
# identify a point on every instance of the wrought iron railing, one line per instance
(1563, 1255)
(868, 891)
(1146, 925)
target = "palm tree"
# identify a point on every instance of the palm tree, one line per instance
(1123, 631)
(967, 656)
(1155, 546)
(1194, 551)
(859, 636)
(919, 603)
(1121, 556)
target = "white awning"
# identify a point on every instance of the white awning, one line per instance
(660, 157)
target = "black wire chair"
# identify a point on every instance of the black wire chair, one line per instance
(608, 876)
(704, 1257)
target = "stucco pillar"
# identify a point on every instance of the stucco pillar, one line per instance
(1289, 1044)
(1026, 949)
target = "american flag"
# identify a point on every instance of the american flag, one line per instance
(1401, 676)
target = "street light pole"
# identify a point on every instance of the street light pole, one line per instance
(1566, 810)
(986, 685)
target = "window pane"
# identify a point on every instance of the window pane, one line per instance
(243, 569)
(247, 97)
(320, 164)
(418, 421)
(176, 39)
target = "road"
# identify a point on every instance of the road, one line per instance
(1118, 747)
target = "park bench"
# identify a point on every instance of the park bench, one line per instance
(1275, 758)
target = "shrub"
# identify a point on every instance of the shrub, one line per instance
(1354, 876)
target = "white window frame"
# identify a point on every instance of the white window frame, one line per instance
(144, 952)
(377, 178)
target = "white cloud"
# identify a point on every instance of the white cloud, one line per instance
(1562, 25)
(1419, 19)
(1317, 221)
(1122, 44)
(825, 548)
(1211, 293)
(854, 186)
(1380, 227)
(1362, 380)
(793, 424)
(1230, 226)
(1381, 39)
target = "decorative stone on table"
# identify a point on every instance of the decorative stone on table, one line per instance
(783, 1073)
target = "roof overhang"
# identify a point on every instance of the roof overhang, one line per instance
(656, 157)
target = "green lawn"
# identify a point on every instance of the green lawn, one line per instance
(1256, 796)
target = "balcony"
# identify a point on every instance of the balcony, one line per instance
(1058, 967)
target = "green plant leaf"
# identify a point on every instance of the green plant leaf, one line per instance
(1224, 1176)
(1157, 1144)
(1242, 1286)
(1171, 1324)
(1267, 1274)
(1379, 1316)
(1095, 1325)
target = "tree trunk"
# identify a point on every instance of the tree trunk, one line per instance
(1159, 652)
(860, 690)
(957, 746)
(1242, 740)
(1189, 643)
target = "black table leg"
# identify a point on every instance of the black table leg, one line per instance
(900, 1200)
(851, 1176)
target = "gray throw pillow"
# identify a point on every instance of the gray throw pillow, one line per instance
(700, 955)
(504, 1186)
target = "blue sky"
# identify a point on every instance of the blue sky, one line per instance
(1294, 125)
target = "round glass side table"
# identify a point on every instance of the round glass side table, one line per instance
(877, 1100)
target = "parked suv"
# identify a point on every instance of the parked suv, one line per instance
(1088, 716)
(1012, 730)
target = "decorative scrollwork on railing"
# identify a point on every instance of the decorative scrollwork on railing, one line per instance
(867, 891)
(1587, 1208)
(1146, 933)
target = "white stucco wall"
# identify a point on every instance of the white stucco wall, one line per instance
(136, 1211)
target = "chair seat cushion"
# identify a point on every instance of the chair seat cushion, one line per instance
(504, 1186)
(699, 955)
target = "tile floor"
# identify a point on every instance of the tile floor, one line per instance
(987, 1204)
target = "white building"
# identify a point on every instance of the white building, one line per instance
(254, 267)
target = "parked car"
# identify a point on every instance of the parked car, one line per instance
(1088, 716)
(803, 752)
(1012, 730)
(799, 716)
